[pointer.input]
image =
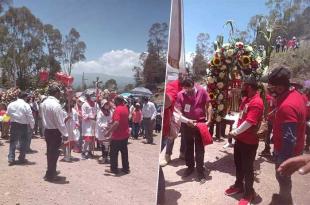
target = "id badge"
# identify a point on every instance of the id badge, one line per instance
(187, 108)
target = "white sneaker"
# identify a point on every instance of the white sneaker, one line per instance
(227, 145)
(166, 161)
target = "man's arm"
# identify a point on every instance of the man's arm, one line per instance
(60, 121)
(209, 112)
(29, 116)
(154, 112)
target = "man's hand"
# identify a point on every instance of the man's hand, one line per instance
(300, 163)
(191, 123)
(208, 123)
(231, 135)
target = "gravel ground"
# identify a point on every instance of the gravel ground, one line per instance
(220, 175)
(85, 182)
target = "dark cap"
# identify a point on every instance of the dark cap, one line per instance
(251, 80)
(279, 76)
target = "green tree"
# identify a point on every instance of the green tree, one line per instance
(203, 49)
(110, 84)
(22, 45)
(129, 87)
(154, 63)
(73, 50)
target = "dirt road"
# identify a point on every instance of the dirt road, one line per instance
(86, 182)
(220, 175)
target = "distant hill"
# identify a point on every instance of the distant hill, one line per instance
(121, 80)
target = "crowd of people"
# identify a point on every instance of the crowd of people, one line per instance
(92, 121)
(282, 44)
(282, 106)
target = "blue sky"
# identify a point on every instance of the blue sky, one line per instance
(210, 16)
(108, 27)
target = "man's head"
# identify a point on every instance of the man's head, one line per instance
(119, 100)
(249, 86)
(55, 91)
(279, 81)
(188, 85)
(23, 95)
(145, 99)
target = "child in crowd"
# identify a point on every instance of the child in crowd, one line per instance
(72, 124)
(104, 120)
(136, 120)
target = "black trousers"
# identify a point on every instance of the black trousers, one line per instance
(53, 142)
(244, 156)
(193, 138)
(116, 146)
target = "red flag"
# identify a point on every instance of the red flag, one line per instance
(204, 133)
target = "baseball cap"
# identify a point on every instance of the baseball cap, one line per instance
(278, 76)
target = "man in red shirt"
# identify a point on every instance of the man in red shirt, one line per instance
(289, 127)
(251, 112)
(120, 135)
(307, 94)
(193, 103)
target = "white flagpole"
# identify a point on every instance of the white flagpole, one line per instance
(176, 53)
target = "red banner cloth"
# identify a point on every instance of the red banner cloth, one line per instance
(204, 133)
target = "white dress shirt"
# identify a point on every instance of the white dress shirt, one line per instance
(20, 112)
(88, 125)
(53, 116)
(149, 110)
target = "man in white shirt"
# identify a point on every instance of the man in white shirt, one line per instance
(21, 115)
(149, 115)
(54, 125)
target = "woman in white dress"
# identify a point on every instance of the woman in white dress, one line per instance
(104, 120)
(89, 114)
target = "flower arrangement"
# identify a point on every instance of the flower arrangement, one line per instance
(228, 58)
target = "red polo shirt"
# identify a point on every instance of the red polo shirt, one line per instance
(291, 107)
(193, 106)
(172, 90)
(251, 110)
(121, 115)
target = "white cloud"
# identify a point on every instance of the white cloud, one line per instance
(115, 62)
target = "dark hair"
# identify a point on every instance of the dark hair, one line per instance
(53, 90)
(118, 100)
(188, 82)
(252, 82)
(22, 95)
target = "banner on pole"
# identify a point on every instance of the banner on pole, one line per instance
(176, 54)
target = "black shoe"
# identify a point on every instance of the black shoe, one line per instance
(31, 151)
(278, 200)
(126, 171)
(11, 162)
(22, 161)
(114, 171)
(52, 178)
(188, 172)
(200, 176)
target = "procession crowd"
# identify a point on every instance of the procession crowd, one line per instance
(93, 120)
(282, 109)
